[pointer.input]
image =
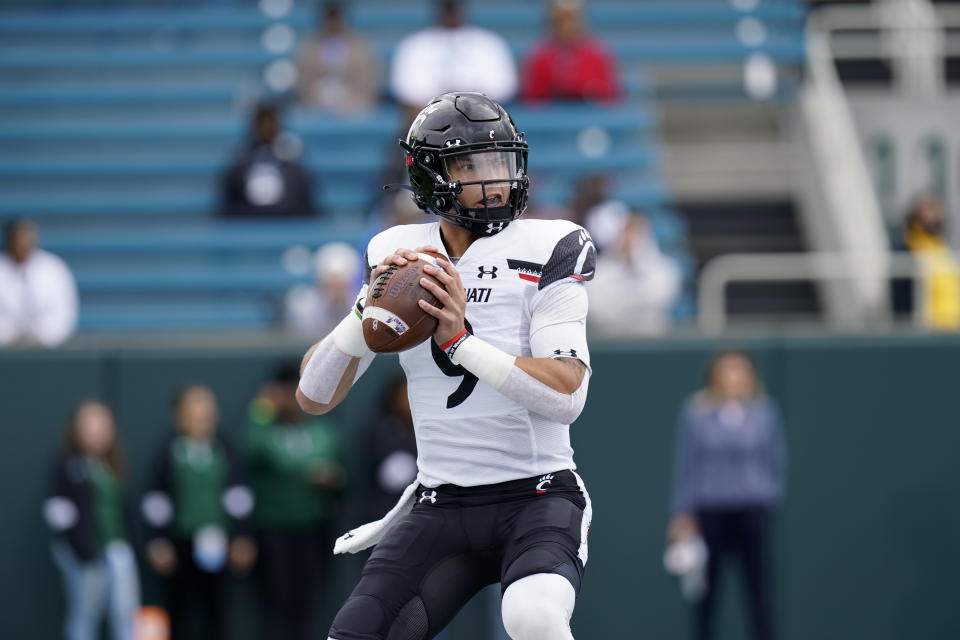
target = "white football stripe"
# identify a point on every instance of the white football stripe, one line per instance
(387, 318)
(429, 259)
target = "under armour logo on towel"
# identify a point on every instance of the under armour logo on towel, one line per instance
(428, 495)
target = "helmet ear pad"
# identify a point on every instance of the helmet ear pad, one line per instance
(442, 203)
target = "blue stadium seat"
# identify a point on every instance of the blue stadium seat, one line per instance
(115, 125)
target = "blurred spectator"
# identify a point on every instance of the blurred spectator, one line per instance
(569, 64)
(266, 178)
(390, 450)
(297, 478)
(38, 295)
(85, 512)
(451, 56)
(590, 192)
(198, 511)
(338, 70)
(636, 286)
(399, 208)
(729, 476)
(313, 311)
(923, 235)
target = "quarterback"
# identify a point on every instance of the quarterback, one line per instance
(492, 394)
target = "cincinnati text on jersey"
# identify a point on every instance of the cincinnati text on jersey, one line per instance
(478, 294)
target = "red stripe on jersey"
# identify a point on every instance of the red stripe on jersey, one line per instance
(576, 277)
(524, 276)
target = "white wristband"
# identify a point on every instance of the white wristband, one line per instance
(482, 359)
(348, 336)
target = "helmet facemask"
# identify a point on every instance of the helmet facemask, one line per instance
(485, 186)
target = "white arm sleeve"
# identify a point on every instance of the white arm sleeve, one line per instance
(333, 355)
(557, 330)
(524, 389)
(326, 367)
(558, 323)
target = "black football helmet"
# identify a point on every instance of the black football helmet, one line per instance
(466, 143)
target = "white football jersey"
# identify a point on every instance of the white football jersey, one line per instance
(525, 295)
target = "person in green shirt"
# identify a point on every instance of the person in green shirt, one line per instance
(198, 513)
(84, 510)
(297, 477)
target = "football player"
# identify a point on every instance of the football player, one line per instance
(492, 394)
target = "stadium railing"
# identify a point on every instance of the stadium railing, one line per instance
(820, 267)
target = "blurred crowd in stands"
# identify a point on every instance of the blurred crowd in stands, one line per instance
(339, 74)
(222, 502)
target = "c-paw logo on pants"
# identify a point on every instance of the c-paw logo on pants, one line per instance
(542, 485)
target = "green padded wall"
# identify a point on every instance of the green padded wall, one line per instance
(866, 543)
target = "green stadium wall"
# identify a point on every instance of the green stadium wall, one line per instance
(867, 542)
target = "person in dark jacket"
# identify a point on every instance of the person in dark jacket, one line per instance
(266, 179)
(84, 509)
(198, 513)
(297, 477)
(729, 477)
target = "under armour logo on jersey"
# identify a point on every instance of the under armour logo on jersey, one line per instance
(492, 272)
(569, 353)
(544, 481)
(494, 227)
(428, 495)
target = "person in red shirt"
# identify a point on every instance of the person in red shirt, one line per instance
(569, 64)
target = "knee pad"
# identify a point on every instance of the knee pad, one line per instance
(539, 607)
(359, 615)
(365, 617)
(411, 623)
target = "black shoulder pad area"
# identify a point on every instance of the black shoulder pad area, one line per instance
(574, 256)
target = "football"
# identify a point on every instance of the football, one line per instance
(392, 318)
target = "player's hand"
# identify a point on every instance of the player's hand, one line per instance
(451, 295)
(399, 257)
